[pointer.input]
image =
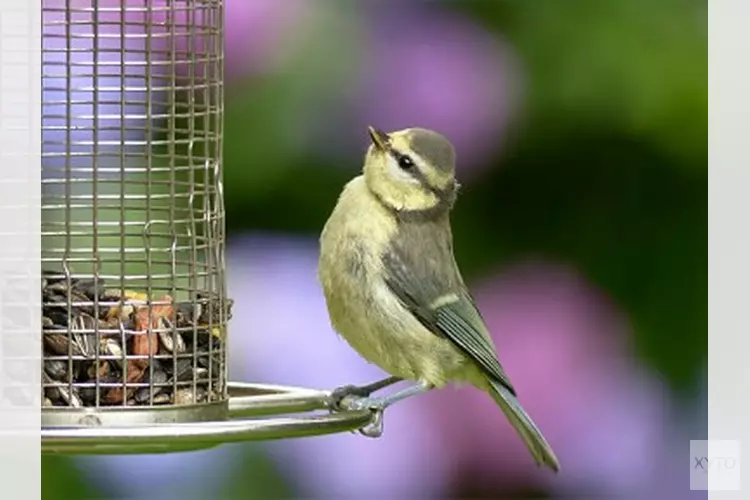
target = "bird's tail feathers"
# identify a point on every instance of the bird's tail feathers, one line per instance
(526, 428)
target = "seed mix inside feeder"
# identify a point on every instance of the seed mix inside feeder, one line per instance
(104, 347)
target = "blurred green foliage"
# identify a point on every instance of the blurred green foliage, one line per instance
(264, 112)
(61, 480)
(636, 67)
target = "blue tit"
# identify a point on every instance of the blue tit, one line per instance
(392, 286)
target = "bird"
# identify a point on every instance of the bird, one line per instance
(393, 289)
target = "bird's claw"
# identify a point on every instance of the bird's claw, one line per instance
(354, 398)
(375, 428)
(340, 393)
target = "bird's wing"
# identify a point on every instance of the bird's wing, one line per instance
(421, 271)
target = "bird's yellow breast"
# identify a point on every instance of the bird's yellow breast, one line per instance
(362, 308)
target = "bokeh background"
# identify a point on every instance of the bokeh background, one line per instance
(580, 128)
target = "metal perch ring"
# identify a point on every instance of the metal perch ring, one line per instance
(246, 403)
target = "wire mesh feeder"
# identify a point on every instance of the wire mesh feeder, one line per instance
(135, 308)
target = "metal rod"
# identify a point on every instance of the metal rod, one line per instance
(248, 400)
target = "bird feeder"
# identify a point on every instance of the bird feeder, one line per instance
(135, 312)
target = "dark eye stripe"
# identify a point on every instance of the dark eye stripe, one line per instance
(417, 174)
(411, 169)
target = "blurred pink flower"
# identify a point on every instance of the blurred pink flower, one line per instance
(565, 349)
(255, 33)
(432, 68)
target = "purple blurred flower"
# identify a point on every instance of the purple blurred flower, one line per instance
(427, 67)
(255, 33)
(565, 348)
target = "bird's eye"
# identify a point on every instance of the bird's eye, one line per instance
(405, 162)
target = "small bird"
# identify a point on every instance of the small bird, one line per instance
(392, 286)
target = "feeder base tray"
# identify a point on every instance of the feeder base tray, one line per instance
(246, 403)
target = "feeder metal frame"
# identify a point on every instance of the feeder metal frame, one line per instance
(133, 213)
(133, 239)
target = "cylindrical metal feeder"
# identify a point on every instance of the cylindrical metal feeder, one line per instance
(135, 307)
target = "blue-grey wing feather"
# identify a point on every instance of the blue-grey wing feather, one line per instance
(420, 269)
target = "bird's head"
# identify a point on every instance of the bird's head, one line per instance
(411, 170)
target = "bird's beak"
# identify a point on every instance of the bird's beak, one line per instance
(379, 138)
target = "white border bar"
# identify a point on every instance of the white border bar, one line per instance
(20, 252)
(729, 230)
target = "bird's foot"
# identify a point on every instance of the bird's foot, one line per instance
(375, 404)
(361, 391)
(375, 428)
(340, 393)
(358, 400)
